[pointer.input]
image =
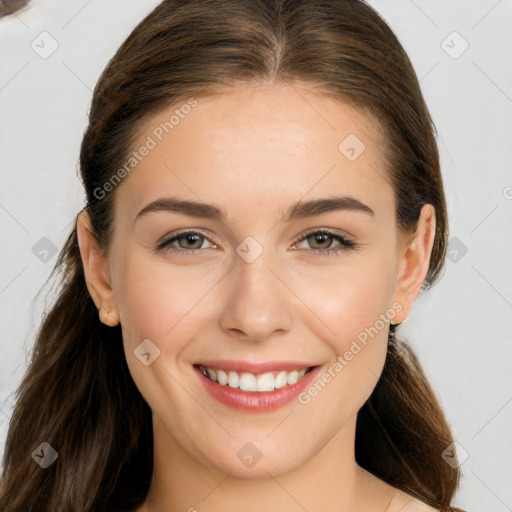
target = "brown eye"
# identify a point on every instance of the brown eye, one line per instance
(188, 241)
(320, 242)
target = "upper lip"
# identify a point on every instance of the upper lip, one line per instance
(255, 367)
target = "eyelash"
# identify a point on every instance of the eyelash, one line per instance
(345, 243)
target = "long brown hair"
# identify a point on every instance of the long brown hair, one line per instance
(77, 394)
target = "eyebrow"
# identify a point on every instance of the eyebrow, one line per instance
(298, 210)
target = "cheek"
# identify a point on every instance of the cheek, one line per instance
(156, 299)
(357, 311)
(350, 300)
(352, 309)
(165, 304)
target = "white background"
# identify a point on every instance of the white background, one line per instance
(461, 328)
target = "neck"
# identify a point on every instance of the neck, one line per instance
(329, 481)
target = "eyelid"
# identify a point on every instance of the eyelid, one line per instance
(186, 231)
(328, 231)
(345, 241)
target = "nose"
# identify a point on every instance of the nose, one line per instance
(258, 303)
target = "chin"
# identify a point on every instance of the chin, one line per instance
(250, 462)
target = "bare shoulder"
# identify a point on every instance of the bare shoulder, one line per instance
(403, 502)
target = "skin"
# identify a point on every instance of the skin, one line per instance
(253, 151)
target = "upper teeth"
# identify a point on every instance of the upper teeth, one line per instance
(250, 382)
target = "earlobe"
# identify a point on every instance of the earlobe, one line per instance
(96, 271)
(414, 261)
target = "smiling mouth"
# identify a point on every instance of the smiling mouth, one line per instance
(246, 381)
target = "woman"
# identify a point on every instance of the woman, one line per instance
(264, 203)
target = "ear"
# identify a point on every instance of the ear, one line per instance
(96, 270)
(413, 261)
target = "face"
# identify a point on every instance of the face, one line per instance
(269, 282)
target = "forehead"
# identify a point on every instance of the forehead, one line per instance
(261, 147)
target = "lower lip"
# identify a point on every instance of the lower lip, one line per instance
(255, 401)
